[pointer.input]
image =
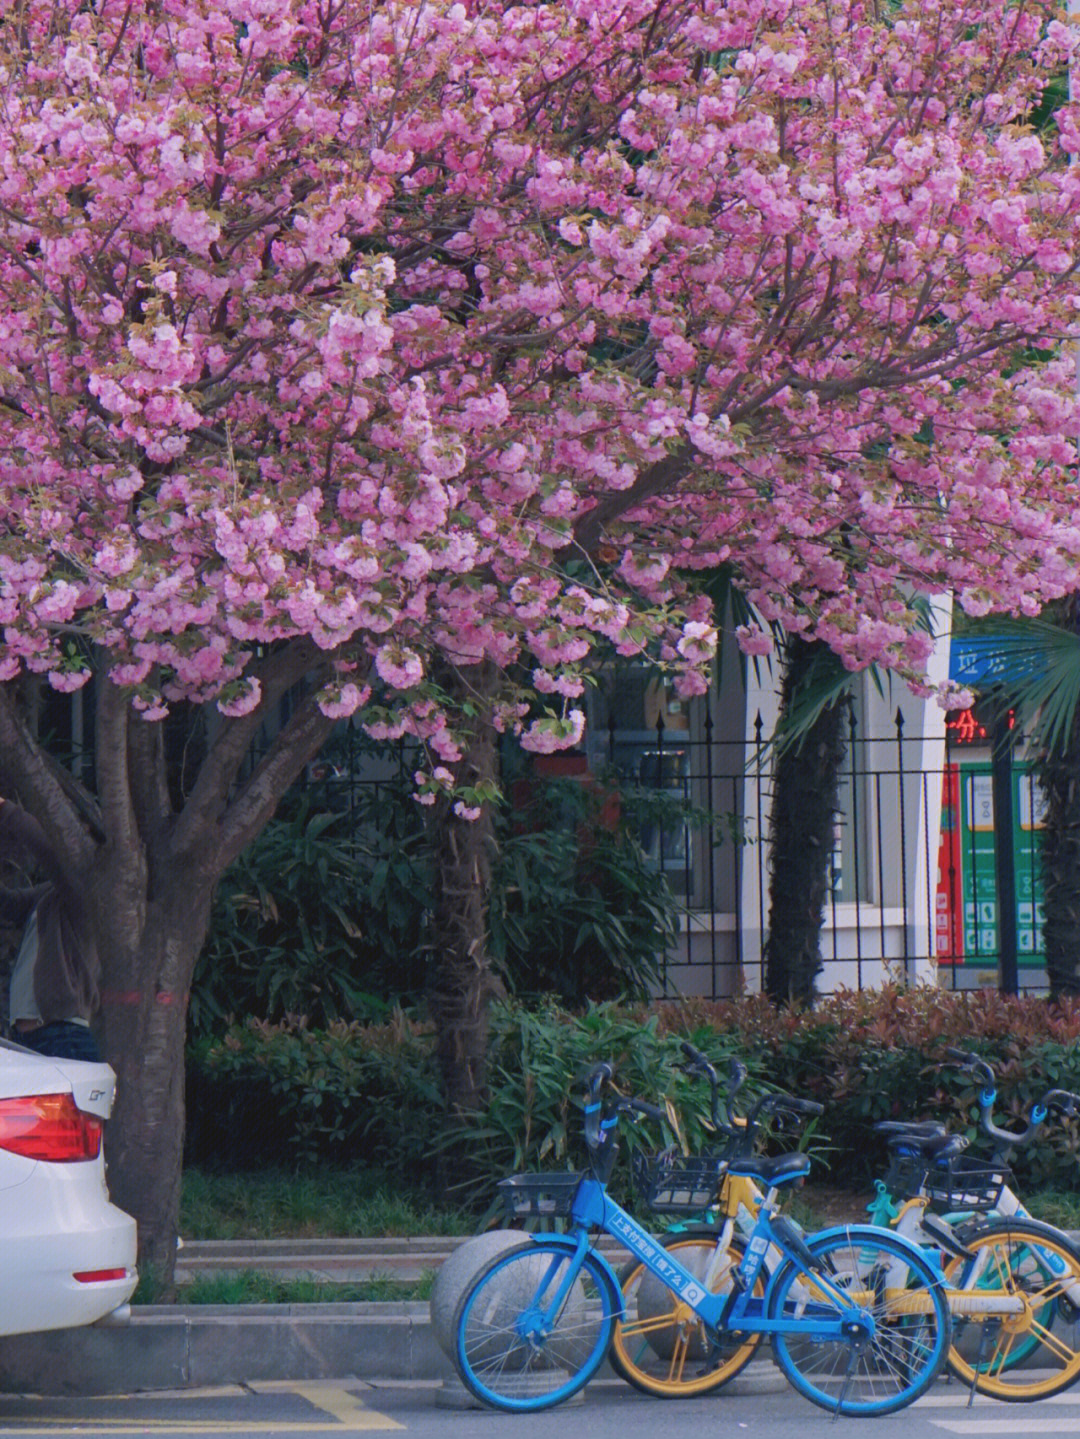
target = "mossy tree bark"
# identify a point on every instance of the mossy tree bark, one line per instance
(806, 788)
(462, 981)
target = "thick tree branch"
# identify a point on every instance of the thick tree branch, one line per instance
(258, 797)
(205, 808)
(149, 782)
(111, 763)
(64, 809)
(659, 479)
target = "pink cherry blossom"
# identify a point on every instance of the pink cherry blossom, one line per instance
(493, 362)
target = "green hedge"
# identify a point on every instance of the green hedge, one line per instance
(271, 1094)
(264, 1092)
(881, 1055)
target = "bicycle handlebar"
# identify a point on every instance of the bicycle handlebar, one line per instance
(600, 1118)
(972, 1061)
(770, 1103)
(699, 1064)
(1064, 1101)
(1059, 1101)
(775, 1103)
(640, 1106)
(594, 1081)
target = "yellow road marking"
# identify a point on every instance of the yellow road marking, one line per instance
(200, 1426)
(347, 1411)
(331, 1398)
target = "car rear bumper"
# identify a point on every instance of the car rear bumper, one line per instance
(57, 1224)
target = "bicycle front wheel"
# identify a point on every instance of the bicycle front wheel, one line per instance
(895, 1351)
(533, 1327)
(1026, 1347)
(660, 1346)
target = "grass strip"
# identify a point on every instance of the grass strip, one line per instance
(316, 1203)
(249, 1286)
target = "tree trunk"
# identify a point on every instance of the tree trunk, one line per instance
(806, 789)
(462, 982)
(152, 951)
(147, 861)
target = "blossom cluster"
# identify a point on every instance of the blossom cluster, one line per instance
(445, 333)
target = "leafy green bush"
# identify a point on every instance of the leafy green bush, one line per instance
(533, 1120)
(326, 914)
(264, 1095)
(577, 910)
(267, 1091)
(372, 1091)
(880, 1054)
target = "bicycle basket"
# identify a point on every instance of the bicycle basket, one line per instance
(677, 1184)
(538, 1196)
(966, 1183)
(906, 1176)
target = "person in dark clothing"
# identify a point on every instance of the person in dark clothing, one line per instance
(54, 983)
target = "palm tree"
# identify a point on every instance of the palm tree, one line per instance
(809, 746)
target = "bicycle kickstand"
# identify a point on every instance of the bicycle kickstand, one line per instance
(853, 1355)
(984, 1329)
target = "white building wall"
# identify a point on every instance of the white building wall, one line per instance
(863, 945)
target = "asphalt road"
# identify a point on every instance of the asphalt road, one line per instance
(609, 1411)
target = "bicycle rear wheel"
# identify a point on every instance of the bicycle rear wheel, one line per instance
(660, 1346)
(901, 1343)
(519, 1347)
(1030, 1348)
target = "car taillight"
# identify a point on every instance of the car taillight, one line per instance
(49, 1126)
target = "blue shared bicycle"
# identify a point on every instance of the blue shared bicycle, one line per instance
(857, 1315)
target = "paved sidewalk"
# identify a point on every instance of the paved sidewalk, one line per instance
(178, 1346)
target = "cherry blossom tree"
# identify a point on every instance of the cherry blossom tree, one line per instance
(395, 359)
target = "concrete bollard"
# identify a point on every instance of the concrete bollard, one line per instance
(451, 1282)
(455, 1275)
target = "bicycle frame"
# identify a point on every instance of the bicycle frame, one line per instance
(907, 1219)
(739, 1195)
(595, 1209)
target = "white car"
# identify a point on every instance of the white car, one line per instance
(67, 1255)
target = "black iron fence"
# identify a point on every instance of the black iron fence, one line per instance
(933, 877)
(934, 874)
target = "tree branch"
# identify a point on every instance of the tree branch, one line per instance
(258, 797)
(111, 763)
(64, 809)
(658, 479)
(204, 810)
(149, 783)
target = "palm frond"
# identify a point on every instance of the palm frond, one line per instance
(1034, 666)
(731, 607)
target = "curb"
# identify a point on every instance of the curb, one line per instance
(162, 1348)
(189, 1346)
(178, 1347)
(338, 1261)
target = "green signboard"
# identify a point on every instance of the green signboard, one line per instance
(967, 898)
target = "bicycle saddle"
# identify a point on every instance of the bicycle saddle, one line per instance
(911, 1128)
(927, 1138)
(936, 1146)
(772, 1168)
